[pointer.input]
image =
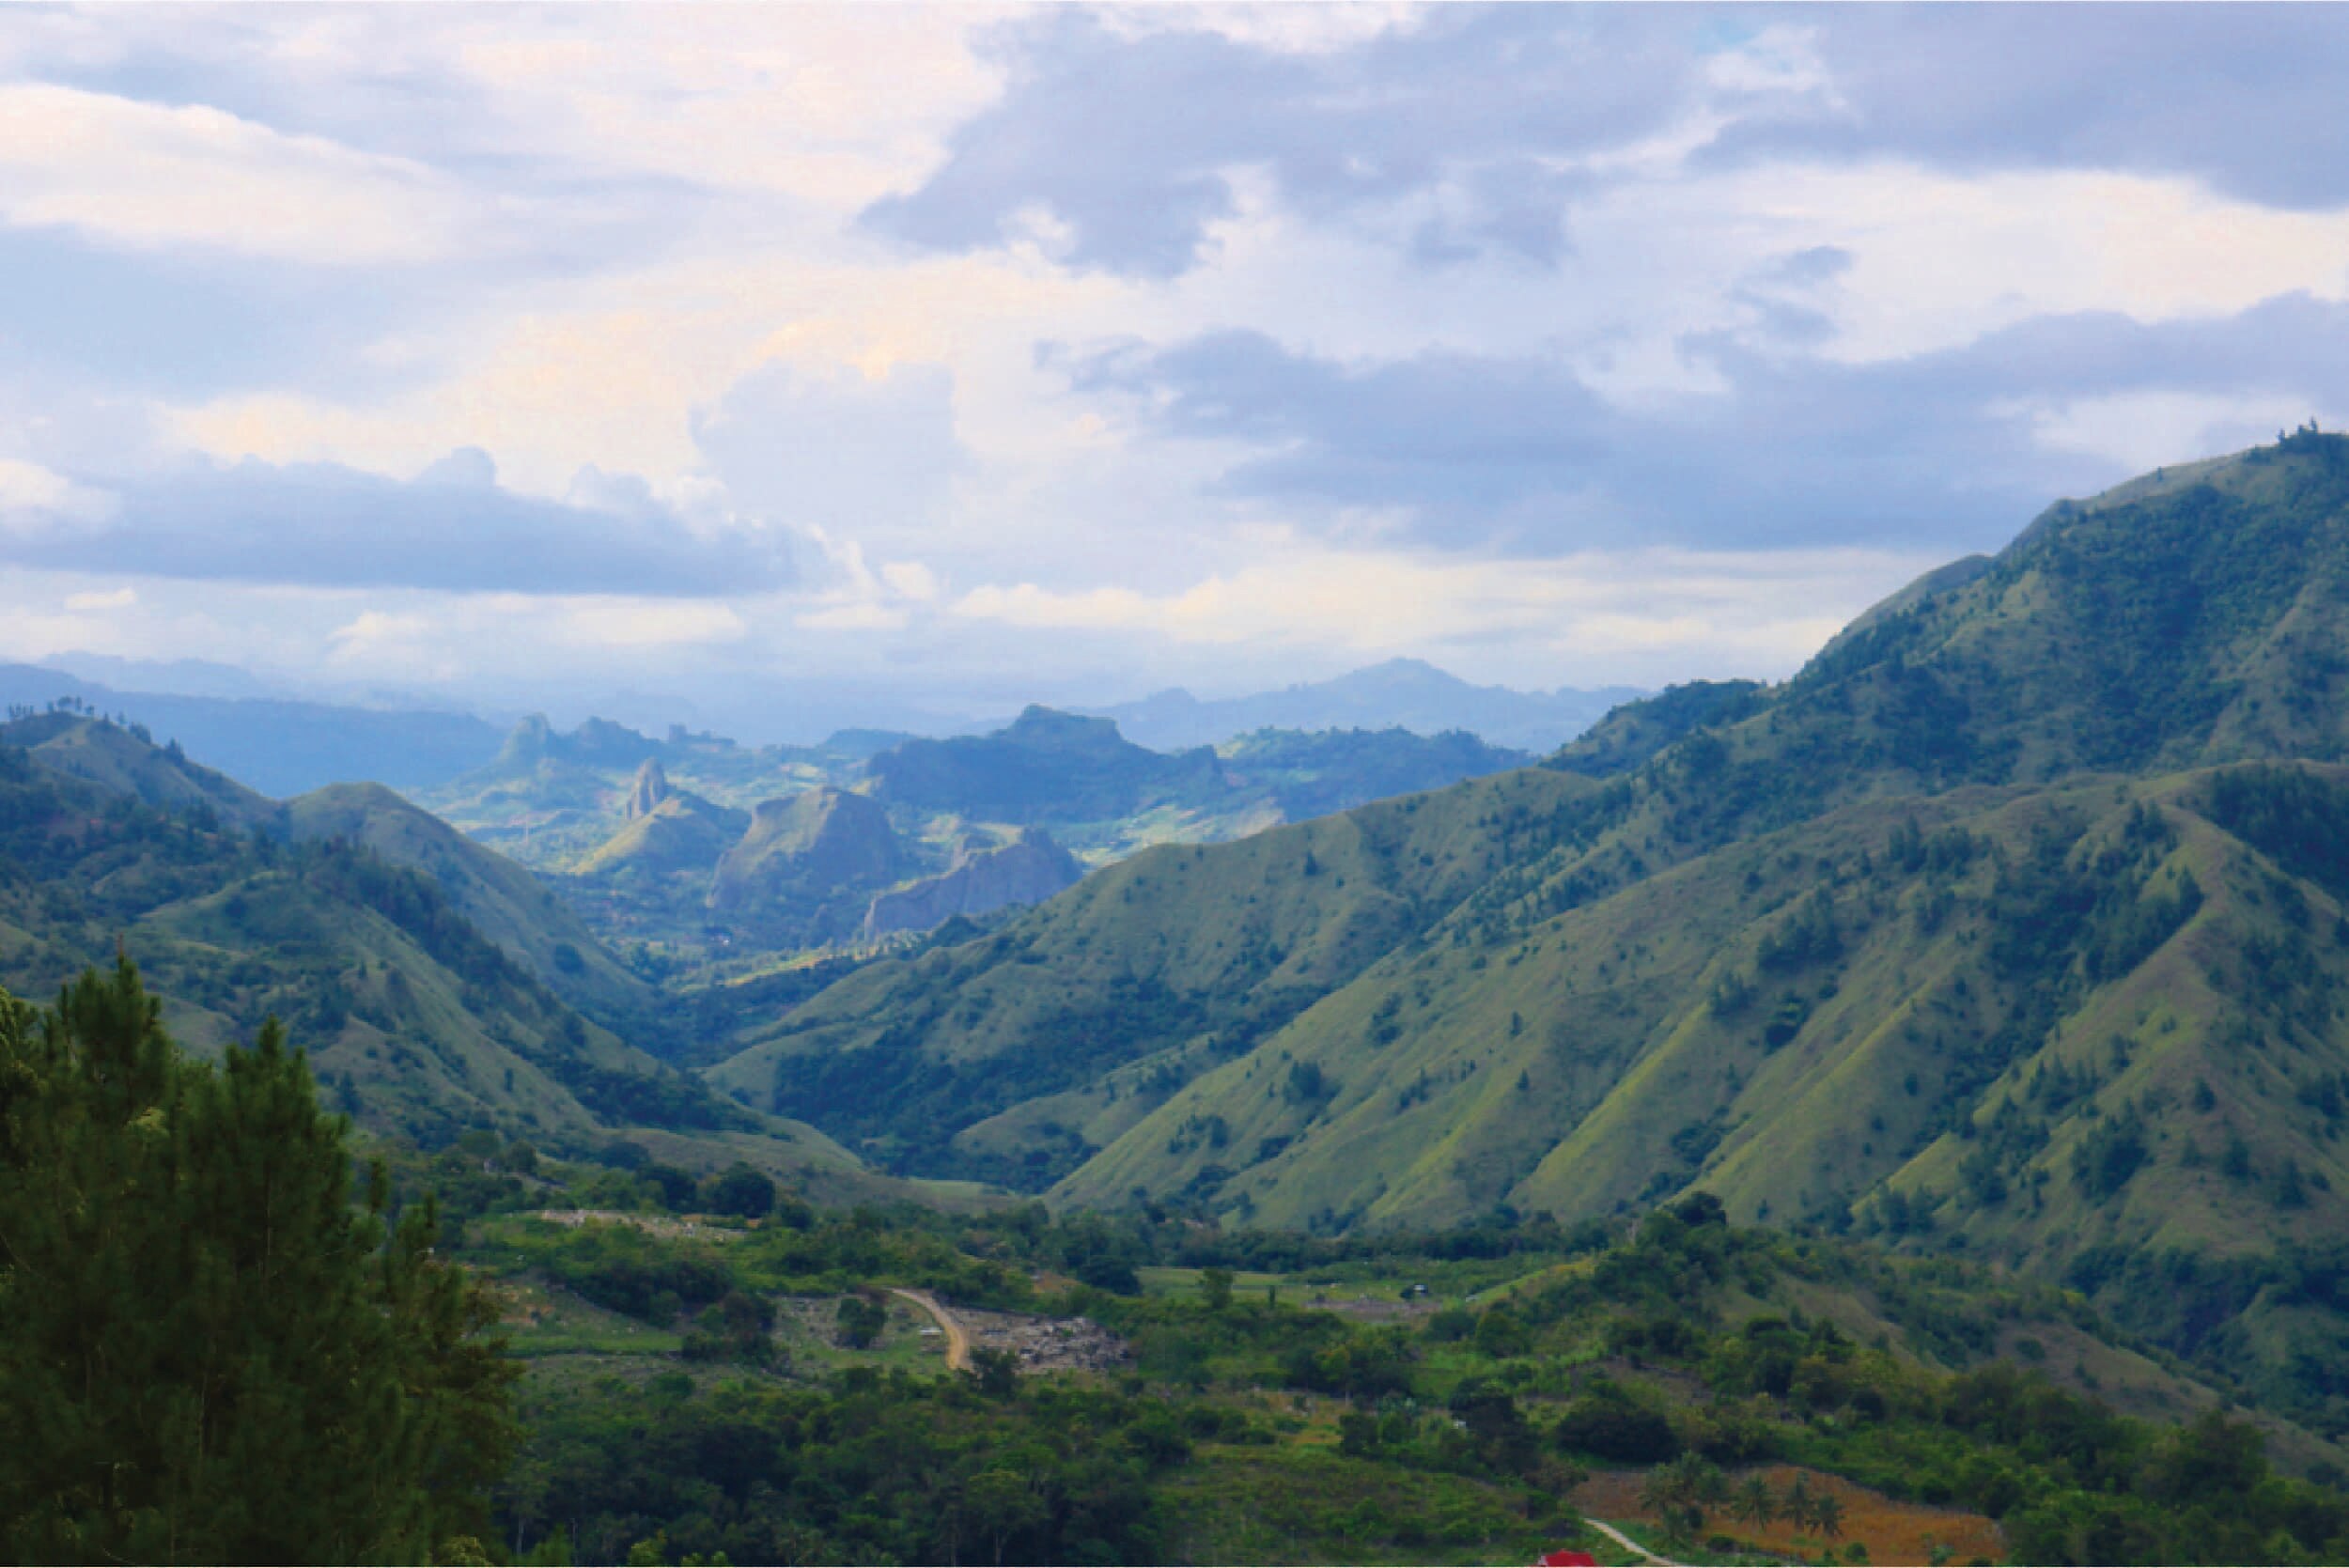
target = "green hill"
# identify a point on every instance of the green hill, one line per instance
(1024, 1051)
(1312, 774)
(807, 866)
(1988, 933)
(681, 835)
(420, 1025)
(503, 902)
(122, 761)
(1044, 767)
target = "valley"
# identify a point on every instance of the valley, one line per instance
(1988, 1008)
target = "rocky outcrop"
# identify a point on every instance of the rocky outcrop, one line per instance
(650, 789)
(980, 881)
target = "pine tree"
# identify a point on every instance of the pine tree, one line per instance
(212, 1353)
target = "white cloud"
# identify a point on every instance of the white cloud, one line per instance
(1599, 614)
(155, 176)
(35, 499)
(622, 624)
(2143, 430)
(108, 599)
(910, 579)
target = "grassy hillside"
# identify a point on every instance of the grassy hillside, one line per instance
(1988, 933)
(1088, 1011)
(420, 1026)
(124, 761)
(683, 835)
(503, 902)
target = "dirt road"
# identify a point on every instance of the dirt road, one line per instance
(1619, 1539)
(958, 1340)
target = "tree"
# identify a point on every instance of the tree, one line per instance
(1002, 1504)
(213, 1355)
(740, 1190)
(1755, 1502)
(862, 1318)
(1797, 1503)
(997, 1372)
(1215, 1288)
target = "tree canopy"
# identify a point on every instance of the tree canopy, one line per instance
(216, 1350)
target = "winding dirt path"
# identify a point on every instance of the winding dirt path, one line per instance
(1619, 1539)
(957, 1338)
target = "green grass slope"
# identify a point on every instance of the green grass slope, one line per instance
(683, 835)
(419, 1026)
(1796, 1023)
(1974, 935)
(1138, 978)
(505, 902)
(122, 761)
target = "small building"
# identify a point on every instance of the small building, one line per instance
(1567, 1560)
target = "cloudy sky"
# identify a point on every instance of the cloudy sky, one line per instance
(897, 357)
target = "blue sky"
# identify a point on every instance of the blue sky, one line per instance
(965, 356)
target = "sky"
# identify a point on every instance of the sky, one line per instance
(790, 366)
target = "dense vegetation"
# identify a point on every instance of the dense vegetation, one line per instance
(219, 1350)
(2012, 928)
(1455, 1429)
(1412, 1171)
(215, 1351)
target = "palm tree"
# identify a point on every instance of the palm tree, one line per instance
(1755, 1503)
(1665, 1489)
(1797, 1508)
(1827, 1514)
(1709, 1488)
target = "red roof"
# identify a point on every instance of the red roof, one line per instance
(1567, 1559)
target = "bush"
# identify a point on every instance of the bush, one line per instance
(1611, 1427)
(740, 1190)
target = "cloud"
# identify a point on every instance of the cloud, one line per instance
(1123, 146)
(1960, 446)
(835, 449)
(1637, 609)
(34, 499)
(153, 176)
(324, 525)
(1124, 142)
(2244, 98)
(1445, 436)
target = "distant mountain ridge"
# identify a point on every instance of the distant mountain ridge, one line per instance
(642, 831)
(1401, 693)
(276, 745)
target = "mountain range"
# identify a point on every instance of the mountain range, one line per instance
(704, 850)
(2014, 926)
(438, 987)
(1400, 693)
(282, 742)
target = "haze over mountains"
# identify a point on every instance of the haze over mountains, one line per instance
(282, 742)
(1401, 693)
